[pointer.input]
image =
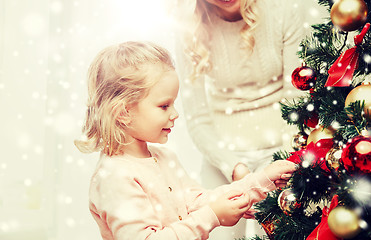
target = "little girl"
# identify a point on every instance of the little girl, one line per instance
(140, 191)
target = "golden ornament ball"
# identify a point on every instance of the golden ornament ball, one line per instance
(343, 222)
(361, 93)
(349, 15)
(333, 158)
(320, 133)
(287, 201)
(299, 141)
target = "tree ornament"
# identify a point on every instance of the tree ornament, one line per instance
(269, 226)
(361, 93)
(288, 201)
(322, 231)
(356, 156)
(333, 158)
(299, 141)
(341, 71)
(344, 222)
(312, 121)
(303, 78)
(320, 133)
(349, 15)
(313, 154)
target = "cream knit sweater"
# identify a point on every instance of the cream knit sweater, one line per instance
(233, 111)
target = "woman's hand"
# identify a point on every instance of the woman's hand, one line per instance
(240, 171)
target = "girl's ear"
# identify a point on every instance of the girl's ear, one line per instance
(124, 116)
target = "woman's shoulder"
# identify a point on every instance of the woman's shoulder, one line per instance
(281, 12)
(279, 6)
(280, 3)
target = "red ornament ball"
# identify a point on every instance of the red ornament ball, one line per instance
(356, 156)
(303, 78)
(312, 121)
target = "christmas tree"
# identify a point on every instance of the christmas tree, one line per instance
(329, 196)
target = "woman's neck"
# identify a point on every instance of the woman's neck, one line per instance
(231, 17)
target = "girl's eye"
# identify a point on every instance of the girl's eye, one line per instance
(164, 107)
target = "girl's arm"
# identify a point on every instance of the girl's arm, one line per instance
(255, 185)
(124, 212)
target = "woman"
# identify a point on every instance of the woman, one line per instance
(235, 59)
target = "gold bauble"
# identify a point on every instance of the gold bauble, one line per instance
(343, 222)
(349, 15)
(299, 141)
(320, 133)
(287, 201)
(333, 157)
(361, 93)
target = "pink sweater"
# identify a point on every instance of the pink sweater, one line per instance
(154, 198)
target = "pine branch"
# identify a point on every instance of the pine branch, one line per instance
(295, 112)
(281, 155)
(311, 185)
(355, 121)
(321, 49)
(331, 105)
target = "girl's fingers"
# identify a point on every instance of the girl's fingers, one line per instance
(242, 202)
(233, 195)
(286, 176)
(248, 215)
(280, 183)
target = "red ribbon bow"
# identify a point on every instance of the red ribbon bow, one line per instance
(322, 231)
(316, 153)
(341, 72)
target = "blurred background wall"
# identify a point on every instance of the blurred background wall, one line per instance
(45, 49)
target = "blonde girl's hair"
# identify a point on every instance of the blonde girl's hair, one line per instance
(119, 76)
(195, 18)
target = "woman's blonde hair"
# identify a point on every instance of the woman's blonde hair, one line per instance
(195, 15)
(118, 77)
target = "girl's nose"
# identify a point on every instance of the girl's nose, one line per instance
(174, 115)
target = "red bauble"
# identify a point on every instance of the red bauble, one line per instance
(303, 78)
(312, 121)
(356, 155)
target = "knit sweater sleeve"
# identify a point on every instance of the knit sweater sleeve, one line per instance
(293, 33)
(124, 211)
(199, 122)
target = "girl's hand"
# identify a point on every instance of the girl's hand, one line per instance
(280, 171)
(250, 214)
(239, 171)
(230, 207)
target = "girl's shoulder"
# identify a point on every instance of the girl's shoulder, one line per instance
(162, 152)
(111, 166)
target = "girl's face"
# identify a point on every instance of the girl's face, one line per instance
(154, 116)
(227, 9)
